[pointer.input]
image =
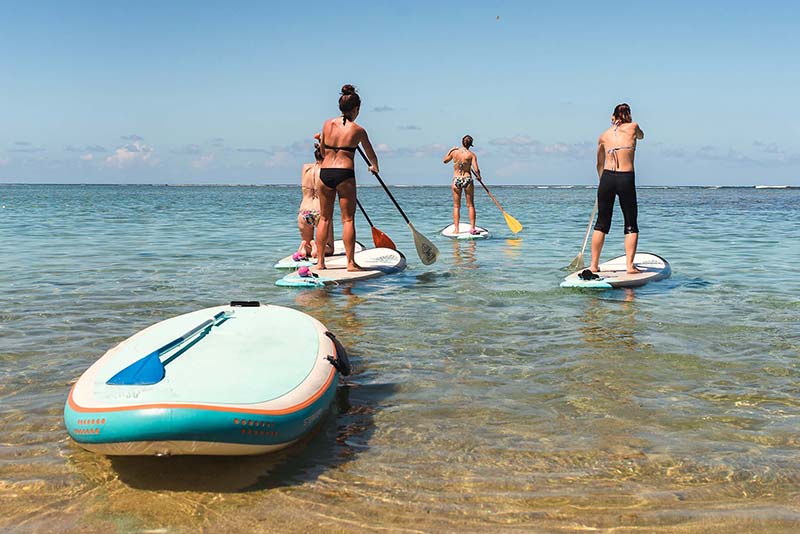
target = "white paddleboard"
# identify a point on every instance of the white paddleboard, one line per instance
(375, 262)
(613, 273)
(463, 232)
(338, 250)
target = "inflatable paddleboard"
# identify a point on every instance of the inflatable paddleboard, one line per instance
(375, 262)
(338, 250)
(613, 273)
(228, 380)
(463, 232)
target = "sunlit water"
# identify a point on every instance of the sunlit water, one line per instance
(484, 398)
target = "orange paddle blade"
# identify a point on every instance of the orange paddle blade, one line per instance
(382, 240)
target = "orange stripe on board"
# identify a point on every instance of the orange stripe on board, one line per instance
(291, 409)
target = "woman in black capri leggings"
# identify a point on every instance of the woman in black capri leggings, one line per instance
(615, 154)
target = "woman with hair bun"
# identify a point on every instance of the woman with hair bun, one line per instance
(340, 139)
(616, 149)
(464, 162)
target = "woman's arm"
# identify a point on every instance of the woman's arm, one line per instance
(638, 132)
(475, 166)
(601, 156)
(449, 156)
(371, 155)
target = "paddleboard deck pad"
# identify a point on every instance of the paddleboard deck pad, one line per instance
(255, 381)
(463, 232)
(375, 262)
(613, 273)
(338, 250)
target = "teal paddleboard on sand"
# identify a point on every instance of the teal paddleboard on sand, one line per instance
(613, 273)
(241, 379)
(374, 261)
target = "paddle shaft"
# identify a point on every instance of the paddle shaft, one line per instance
(175, 342)
(391, 196)
(364, 213)
(589, 228)
(489, 192)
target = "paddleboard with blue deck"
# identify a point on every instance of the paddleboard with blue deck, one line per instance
(613, 273)
(338, 250)
(374, 261)
(463, 232)
(256, 380)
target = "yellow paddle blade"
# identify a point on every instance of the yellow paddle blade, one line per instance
(514, 225)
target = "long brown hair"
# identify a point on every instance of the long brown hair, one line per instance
(348, 101)
(622, 113)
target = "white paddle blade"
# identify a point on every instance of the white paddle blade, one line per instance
(426, 250)
(577, 264)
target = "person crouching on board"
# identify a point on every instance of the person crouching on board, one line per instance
(616, 149)
(464, 161)
(340, 139)
(309, 214)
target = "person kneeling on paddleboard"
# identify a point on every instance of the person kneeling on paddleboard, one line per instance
(309, 214)
(340, 139)
(464, 162)
(616, 149)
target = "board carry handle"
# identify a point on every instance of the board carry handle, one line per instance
(342, 361)
(245, 303)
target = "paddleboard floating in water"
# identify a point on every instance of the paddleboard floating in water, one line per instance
(374, 261)
(613, 273)
(463, 232)
(338, 250)
(228, 380)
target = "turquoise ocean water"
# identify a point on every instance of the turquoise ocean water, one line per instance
(484, 396)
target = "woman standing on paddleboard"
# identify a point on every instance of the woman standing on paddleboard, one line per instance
(464, 161)
(309, 214)
(615, 153)
(340, 139)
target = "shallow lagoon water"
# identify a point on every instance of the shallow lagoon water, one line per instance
(484, 396)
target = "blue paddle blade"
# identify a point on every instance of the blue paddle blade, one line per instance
(144, 372)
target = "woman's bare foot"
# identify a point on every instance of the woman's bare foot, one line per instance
(320, 266)
(352, 267)
(633, 270)
(594, 268)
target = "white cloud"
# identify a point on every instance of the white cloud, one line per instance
(203, 161)
(87, 157)
(135, 153)
(281, 158)
(4, 162)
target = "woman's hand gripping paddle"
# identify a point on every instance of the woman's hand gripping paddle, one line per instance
(426, 250)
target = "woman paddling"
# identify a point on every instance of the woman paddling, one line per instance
(464, 161)
(340, 139)
(308, 216)
(615, 153)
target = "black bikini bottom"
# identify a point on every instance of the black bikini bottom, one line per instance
(333, 177)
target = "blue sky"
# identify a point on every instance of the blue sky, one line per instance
(199, 92)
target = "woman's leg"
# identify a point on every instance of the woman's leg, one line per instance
(327, 197)
(470, 189)
(456, 206)
(606, 192)
(306, 237)
(347, 205)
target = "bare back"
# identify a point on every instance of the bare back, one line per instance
(339, 142)
(462, 162)
(617, 147)
(309, 181)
